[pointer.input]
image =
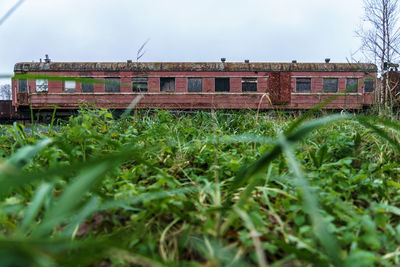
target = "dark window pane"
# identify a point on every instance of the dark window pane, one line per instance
(167, 84)
(303, 85)
(222, 85)
(112, 84)
(23, 85)
(369, 85)
(195, 84)
(330, 85)
(88, 87)
(352, 85)
(249, 84)
(139, 84)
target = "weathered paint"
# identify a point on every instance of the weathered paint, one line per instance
(7, 112)
(159, 100)
(192, 67)
(276, 85)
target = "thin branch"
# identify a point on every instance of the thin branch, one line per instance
(10, 11)
(140, 53)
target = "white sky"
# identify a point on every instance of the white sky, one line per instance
(179, 30)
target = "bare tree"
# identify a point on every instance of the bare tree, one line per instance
(5, 92)
(380, 39)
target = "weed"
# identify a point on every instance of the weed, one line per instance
(229, 188)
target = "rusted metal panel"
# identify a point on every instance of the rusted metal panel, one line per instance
(346, 101)
(285, 90)
(192, 67)
(5, 108)
(197, 101)
(7, 111)
(274, 84)
(22, 99)
(236, 85)
(165, 100)
(279, 84)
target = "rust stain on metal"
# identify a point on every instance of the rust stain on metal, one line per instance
(193, 66)
(274, 87)
(22, 99)
(279, 87)
(7, 111)
(284, 90)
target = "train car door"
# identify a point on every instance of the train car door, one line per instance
(279, 87)
(22, 94)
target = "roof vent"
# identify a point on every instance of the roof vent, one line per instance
(246, 61)
(129, 61)
(223, 60)
(294, 61)
(327, 60)
(47, 59)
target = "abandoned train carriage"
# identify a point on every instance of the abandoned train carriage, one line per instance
(194, 85)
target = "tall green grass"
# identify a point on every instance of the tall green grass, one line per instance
(217, 189)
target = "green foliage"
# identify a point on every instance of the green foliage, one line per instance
(237, 188)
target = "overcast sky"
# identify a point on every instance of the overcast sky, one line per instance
(179, 30)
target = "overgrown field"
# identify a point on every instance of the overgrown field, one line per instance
(237, 189)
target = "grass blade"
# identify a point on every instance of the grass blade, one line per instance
(72, 196)
(37, 202)
(91, 207)
(309, 113)
(262, 261)
(310, 204)
(26, 154)
(261, 165)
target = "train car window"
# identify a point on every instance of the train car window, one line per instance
(330, 85)
(195, 84)
(222, 85)
(303, 85)
(369, 85)
(351, 85)
(249, 84)
(112, 84)
(139, 85)
(42, 85)
(167, 84)
(23, 85)
(87, 87)
(69, 86)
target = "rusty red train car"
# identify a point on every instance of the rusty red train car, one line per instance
(7, 112)
(212, 85)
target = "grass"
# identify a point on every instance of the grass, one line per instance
(157, 189)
